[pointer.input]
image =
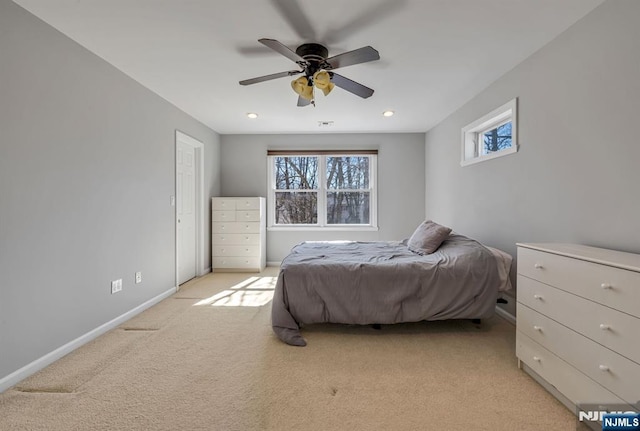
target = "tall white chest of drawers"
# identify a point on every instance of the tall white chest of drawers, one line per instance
(238, 234)
(578, 322)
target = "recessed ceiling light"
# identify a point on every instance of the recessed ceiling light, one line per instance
(252, 115)
(388, 113)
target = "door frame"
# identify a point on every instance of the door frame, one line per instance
(199, 203)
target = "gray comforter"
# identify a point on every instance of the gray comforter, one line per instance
(382, 282)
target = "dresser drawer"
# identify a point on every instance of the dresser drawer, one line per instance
(613, 329)
(236, 250)
(236, 227)
(614, 287)
(223, 215)
(613, 371)
(577, 387)
(236, 239)
(236, 262)
(248, 215)
(248, 203)
(223, 204)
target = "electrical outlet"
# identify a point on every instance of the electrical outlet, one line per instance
(138, 277)
(116, 286)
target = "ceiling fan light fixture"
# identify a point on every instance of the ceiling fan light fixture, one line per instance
(302, 88)
(322, 81)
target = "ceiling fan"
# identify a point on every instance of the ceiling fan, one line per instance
(318, 69)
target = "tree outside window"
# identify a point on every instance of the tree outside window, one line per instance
(322, 190)
(348, 190)
(497, 139)
(296, 190)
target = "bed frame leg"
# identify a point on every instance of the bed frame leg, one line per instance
(476, 321)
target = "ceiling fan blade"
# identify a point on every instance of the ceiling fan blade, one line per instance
(292, 13)
(351, 86)
(303, 102)
(283, 49)
(269, 77)
(357, 56)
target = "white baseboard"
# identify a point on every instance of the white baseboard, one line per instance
(51, 357)
(506, 315)
(274, 263)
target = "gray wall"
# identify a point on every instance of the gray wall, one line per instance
(86, 171)
(400, 180)
(576, 176)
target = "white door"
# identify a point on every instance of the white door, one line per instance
(186, 210)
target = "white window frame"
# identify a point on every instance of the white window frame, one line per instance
(322, 224)
(471, 151)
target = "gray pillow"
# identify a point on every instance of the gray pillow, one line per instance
(427, 237)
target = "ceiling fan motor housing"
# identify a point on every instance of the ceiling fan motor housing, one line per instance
(312, 51)
(315, 55)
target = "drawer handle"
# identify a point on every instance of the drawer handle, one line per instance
(605, 286)
(537, 328)
(603, 368)
(604, 327)
(536, 358)
(538, 297)
(538, 266)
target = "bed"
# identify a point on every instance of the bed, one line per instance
(384, 282)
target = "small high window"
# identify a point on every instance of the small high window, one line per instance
(491, 136)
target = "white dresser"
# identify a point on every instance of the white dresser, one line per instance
(578, 322)
(238, 230)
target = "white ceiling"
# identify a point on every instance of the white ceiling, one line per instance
(435, 54)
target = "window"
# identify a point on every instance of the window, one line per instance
(491, 136)
(322, 189)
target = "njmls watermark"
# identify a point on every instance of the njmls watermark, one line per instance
(611, 417)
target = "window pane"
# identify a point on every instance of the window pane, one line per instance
(293, 173)
(348, 208)
(347, 172)
(296, 208)
(497, 139)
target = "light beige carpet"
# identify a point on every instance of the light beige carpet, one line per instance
(206, 359)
